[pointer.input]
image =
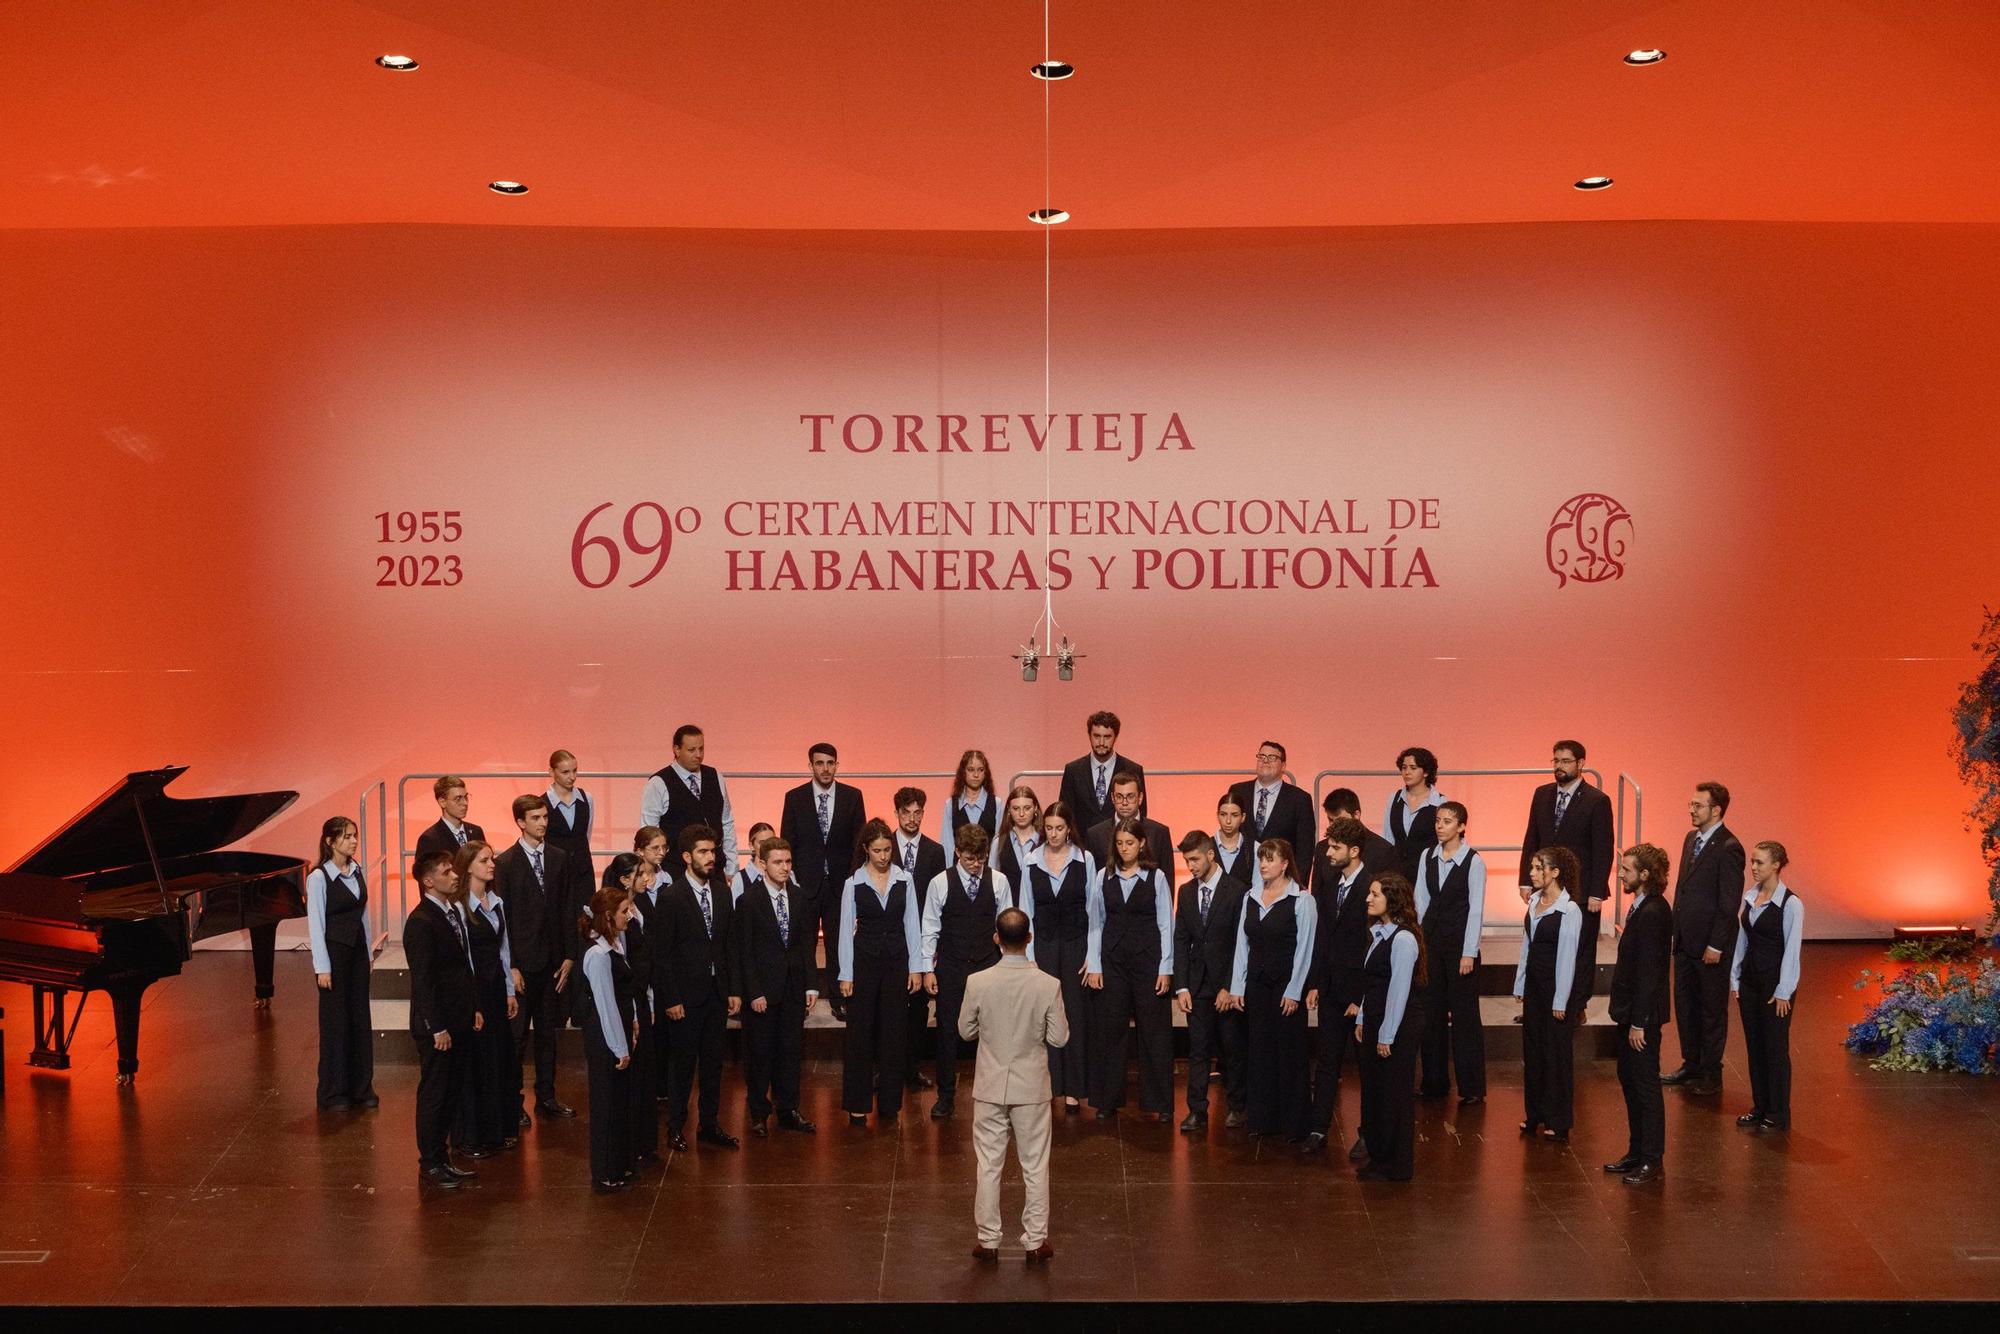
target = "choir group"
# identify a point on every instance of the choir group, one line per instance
(1378, 935)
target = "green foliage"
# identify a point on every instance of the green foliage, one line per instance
(1975, 749)
(1934, 949)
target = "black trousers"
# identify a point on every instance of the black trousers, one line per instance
(643, 1086)
(1279, 1100)
(1389, 1099)
(1645, 1107)
(1127, 1002)
(1548, 1063)
(1336, 1040)
(346, 1035)
(916, 1023)
(1069, 1065)
(543, 1009)
(1452, 1036)
(1212, 1033)
(486, 1096)
(610, 1105)
(694, 1046)
(1701, 999)
(264, 958)
(775, 1044)
(1585, 981)
(440, 1085)
(951, 976)
(1767, 1042)
(878, 1017)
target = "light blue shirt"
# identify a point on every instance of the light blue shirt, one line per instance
(597, 971)
(1571, 930)
(942, 887)
(1163, 912)
(859, 883)
(1023, 852)
(653, 806)
(1302, 945)
(490, 910)
(975, 811)
(1795, 931)
(1246, 848)
(1389, 814)
(1093, 903)
(316, 886)
(1402, 967)
(578, 797)
(1475, 890)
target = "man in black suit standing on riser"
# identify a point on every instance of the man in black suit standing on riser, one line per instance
(1277, 808)
(1086, 780)
(1708, 893)
(821, 821)
(443, 1012)
(452, 831)
(541, 895)
(1570, 813)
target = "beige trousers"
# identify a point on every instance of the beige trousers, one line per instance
(1030, 1125)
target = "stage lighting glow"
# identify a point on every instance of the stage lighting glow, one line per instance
(507, 188)
(1049, 217)
(1593, 183)
(398, 63)
(1051, 70)
(1652, 55)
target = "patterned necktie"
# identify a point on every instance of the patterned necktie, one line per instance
(910, 858)
(535, 857)
(707, 916)
(1101, 784)
(694, 782)
(1205, 892)
(459, 929)
(970, 893)
(459, 834)
(784, 918)
(1562, 805)
(825, 817)
(1700, 842)
(1263, 804)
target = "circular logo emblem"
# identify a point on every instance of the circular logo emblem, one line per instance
(1588, 538)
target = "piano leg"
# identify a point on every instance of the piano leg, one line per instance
(263, 960)
(51, 1034)
(125, 998)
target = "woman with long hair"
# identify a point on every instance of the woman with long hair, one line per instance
(1021, 838)
(1274, 953)
(1057, 896)
(1764, 975)
(1550, 933)
(342, 931)
(1387, 1023)
(877, 952)
(971, 800)
(610, 1031)
(492, 1069)
(1132, 971)
(631, 872)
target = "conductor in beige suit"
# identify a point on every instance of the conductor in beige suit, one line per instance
(1015, 1012)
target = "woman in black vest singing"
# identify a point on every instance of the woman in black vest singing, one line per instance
(1132, 972)
(1387, 1021)
(1015, 849)
(633, 873)
(878, 951)
(1550, 933)
(570, 812)
(610, 1029)
(1451, 905)
(1411, 822)
(342, 931)
(1765, 976)
(1057, 897)
(486, 1120)
(1274, 953)
(972, 800)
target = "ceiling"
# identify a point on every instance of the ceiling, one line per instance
(888, 114)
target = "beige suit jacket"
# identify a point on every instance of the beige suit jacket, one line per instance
(1015, 1011)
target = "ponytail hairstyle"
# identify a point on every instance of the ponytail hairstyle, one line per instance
(600, 919)
(874, 829)
(618, 868)
(336, 827)
(1400, 909)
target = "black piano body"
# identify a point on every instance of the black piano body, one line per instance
(116, 898)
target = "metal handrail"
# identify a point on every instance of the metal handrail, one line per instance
(1626, 780)
(379, 789)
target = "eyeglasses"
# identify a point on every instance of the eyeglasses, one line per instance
(1270, 759)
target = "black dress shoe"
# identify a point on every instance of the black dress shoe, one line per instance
(462, 1173)
(1235, 1118)
(1359, 1153)
(1107, 1113)
(1622, 1166)
(717, 1136)
(941, 1110)
(1644, 1173)
(368, 1100)
(759, 1129)
(986, 1254)
(1194, 1121)
(678, 1143)
(611, 1187)
(1313, 1143)
(1767, 1124)
(793, 1121)
(1042, 1254)
(1472, 1099)
(525, 1121)
(480, 1151)
(1072, 1109)
(441, 1177)
(1680, 1076)
(336, 1105)
(1750, 1119)
(1705, 1088)
(553, 1108)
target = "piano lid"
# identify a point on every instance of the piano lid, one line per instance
(106, 836)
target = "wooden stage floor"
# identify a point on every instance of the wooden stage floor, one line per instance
(216, 1182)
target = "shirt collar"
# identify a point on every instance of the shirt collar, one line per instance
(335, 873)
(692, 883)
(1381, 930)
(451, 824)
(529, 849)
(1452, 859)
(684, 773)
(1571, 786)
(1272, 786)
(575, 795)
(826, 791)
(1214, 879)
(442, 905)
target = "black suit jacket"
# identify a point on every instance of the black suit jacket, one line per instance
(443, 995)
(691, 965)
(1340, 945)
(1290, 818)
(1708, 894)
(1587, 830)
(1205, 955)
(541, 922)
(1158, 842)
(817, 863)
(1079, 789)
(439, 838)
(761, 964)
(1641, 989)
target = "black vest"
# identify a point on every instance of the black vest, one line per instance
(343, 907)
(1414, 833)
(878, 926)
(1246, 860)
(1450, 906)
(989, 820)
(622, 994)
(1764, 955)
(1131, 927)
(573, 839)
(1543, 947)
(1272, 936)
(965, 926)
(683, 809)
(1062, 911)
(1376, 974)
(486, 946)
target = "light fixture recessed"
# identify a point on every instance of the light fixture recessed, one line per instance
(1593, 183)
(1652, 55)
(507, 187)
(402, 64)
(1051, 70)
(1048, 217)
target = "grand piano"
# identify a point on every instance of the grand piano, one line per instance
(115, 899)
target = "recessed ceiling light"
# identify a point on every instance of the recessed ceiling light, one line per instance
(1051, 70)
(1652, 55)
(1048, 217)
(1593, 183)
(400, 63)
(507, 188)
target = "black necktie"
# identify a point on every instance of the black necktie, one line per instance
(1205, 892)
(459, 929)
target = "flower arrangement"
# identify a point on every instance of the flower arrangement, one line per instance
(1976, 750)
(1933, 1020)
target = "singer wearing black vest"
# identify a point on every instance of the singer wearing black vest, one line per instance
(1131, 974)
(1126, 799)
(1764, 976)
(1411, 821)
(542, 912)
(1640, 1005)
(1341, 943)
(1278, 809)
(649, 885)
(922, 859)
(688, 792)
(1451, 905)
(486, 1112)
(1020, 835)
(1571, 813)
(632, 873)
(1235, 850)
(771, 956)
(1551, 935)
(1274, 954)
(1086, 780)
(1205, 929)
(452, 828)
(962, 909)
(1388, 1018)
(1056, 894)
(610, 1033)
(1708, 897)
(971, 801)
(570, 818)
(342, 934)
(444, 1013)
(697, 993)
(879, 948)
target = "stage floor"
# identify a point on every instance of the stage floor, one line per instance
(216, 1182)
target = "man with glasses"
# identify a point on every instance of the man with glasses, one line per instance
(1278, 809)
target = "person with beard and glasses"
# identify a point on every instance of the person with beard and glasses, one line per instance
(1571, 813)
